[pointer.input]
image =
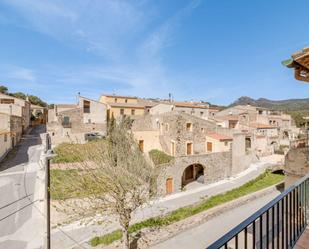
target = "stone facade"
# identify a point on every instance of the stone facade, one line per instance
(16, 107)
(270, 128)
(185, 137)
(296, 164)
(10, 132)
(175, 130)
(216, 166)
(193, 108)
(72, 123)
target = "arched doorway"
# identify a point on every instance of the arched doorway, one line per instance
(286, 135)
(274, 145)
(193, 172)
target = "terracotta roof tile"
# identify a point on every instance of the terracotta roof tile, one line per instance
(219, 137)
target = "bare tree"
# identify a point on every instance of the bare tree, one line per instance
(114, 177)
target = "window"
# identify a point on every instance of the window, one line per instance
(248, 142)
(115, 100)
(166, 127)
(226, 143)
(132, 112)
(89, 121)
(86, 106)
(121, 111)
(66, 122)
(126, 100)
(7, 101)
(201, 113)
(173, 148)
(202, 130)
(189, 126)
(189, 148)
(5, 137)
(141, 145)
(209, 146)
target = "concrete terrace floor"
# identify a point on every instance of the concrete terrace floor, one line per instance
(303, 241)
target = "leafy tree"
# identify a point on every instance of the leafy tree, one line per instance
(19, 95)
(3, 89)
(114, 177)
(36, 101)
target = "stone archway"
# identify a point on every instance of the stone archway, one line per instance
(192, 173)
(274, 144)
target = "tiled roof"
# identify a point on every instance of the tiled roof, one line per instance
(228, 117)
(66, 105)
(118, 96)
(262, 126)
(127, 105)
(219, 137)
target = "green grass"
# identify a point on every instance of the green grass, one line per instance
(265, 180)
(72, 153)
(59, 179)
(159, 157)
(106, 239)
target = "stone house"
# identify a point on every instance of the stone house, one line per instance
(16, 107)
(187, 138)
(118, 106)
(270, 128)
(10, 132)
(216, 142)
(70, 123)
(176, 133)
(200, 110)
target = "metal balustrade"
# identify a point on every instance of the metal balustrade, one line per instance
(278, 224)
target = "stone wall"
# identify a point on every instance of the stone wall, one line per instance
(296, 165)
(242, 157)
(75, 131)
(217, 166)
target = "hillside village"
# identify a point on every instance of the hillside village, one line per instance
(193, 144)
(195, 134)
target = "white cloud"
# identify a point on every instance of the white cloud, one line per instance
(117, 30)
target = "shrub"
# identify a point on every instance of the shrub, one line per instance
(159, 157)
(72, 153)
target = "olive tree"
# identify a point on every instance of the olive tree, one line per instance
(113, 177)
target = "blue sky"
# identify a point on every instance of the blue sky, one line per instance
(206, 50)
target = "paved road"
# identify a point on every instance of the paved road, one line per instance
(21, 220)
(202, 236)
(76, 235)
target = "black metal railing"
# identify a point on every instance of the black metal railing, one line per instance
(278, 224)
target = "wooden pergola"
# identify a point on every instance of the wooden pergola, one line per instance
(300, 62)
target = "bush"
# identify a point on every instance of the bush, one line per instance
(72, 153)
(159, 157)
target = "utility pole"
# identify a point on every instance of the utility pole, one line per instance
(48, 156)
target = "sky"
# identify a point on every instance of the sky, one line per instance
(207, 50)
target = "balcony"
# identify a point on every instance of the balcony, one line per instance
(280, 224)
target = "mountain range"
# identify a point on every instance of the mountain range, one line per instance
(284, 105)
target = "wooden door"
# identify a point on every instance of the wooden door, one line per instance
(169, 185)
(209, 146)
(141, 145)
(189, 148)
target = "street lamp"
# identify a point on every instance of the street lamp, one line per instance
(49, 154)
